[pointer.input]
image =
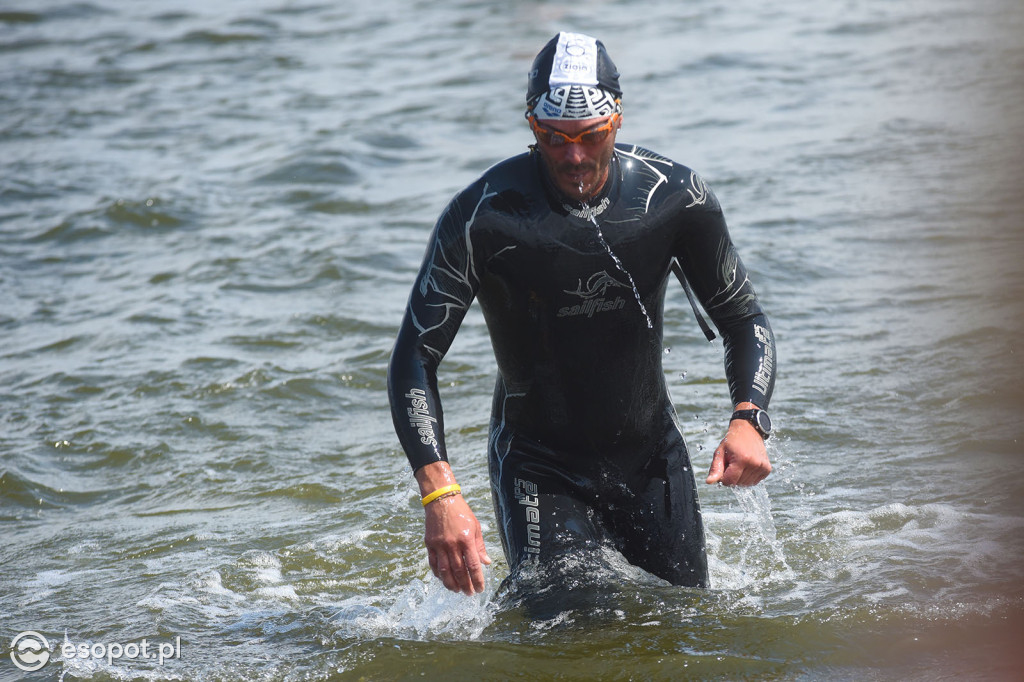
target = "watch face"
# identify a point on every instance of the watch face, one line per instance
(764, 422)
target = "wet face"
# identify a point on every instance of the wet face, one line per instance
(579, 165)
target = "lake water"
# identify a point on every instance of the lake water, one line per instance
(211, 215)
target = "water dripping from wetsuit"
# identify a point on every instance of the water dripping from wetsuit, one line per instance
(592, 214)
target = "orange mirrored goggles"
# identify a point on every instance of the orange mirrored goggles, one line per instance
(556, 138)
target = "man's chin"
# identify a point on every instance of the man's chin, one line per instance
(577, 185)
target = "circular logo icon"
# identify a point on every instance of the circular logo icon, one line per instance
(30, 651)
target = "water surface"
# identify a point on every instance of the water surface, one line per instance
(210, 218)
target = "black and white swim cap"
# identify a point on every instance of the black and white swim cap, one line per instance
(573, 78)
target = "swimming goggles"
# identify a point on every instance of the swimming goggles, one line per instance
(556, 138)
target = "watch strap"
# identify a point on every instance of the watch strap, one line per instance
(751, 416)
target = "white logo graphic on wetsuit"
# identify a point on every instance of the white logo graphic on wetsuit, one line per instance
(526, 494)
(419, 416)
(766, 366)
(594, 296)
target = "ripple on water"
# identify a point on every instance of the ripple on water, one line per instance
(11, 17)
(312, 169)
(308, 493)
(25, 497)
(112, 216)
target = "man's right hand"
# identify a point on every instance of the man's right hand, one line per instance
(455, 545)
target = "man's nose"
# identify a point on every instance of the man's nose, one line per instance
(575, 153)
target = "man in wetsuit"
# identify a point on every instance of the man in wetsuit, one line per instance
(568, 249)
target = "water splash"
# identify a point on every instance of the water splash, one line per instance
(761, 559)
(423, 611)
(427, 610)
(759, 524)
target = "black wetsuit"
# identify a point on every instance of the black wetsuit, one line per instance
(584, 443)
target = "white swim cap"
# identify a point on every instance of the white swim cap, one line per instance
(573, 78)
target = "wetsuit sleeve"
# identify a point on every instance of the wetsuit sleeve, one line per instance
(443, 291)
(719, 279)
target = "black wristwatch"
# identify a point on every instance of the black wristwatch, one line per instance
(759, 418)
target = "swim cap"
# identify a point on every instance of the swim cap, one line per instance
(573, 78)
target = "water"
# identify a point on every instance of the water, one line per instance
(211, 215)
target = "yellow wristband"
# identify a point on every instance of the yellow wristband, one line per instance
(440, 492)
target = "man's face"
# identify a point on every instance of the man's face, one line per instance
(578, 166)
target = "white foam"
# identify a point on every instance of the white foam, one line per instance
(278, 592)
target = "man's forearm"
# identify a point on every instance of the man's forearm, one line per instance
(750, 361)
(434, 476)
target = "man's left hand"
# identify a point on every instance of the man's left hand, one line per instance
(741, 458)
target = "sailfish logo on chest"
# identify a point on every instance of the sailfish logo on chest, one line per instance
(597, 285)
(594, 295)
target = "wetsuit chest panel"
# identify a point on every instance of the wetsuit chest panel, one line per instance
(574, 310)
(561, 261)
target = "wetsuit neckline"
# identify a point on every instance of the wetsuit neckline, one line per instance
(567, 205)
